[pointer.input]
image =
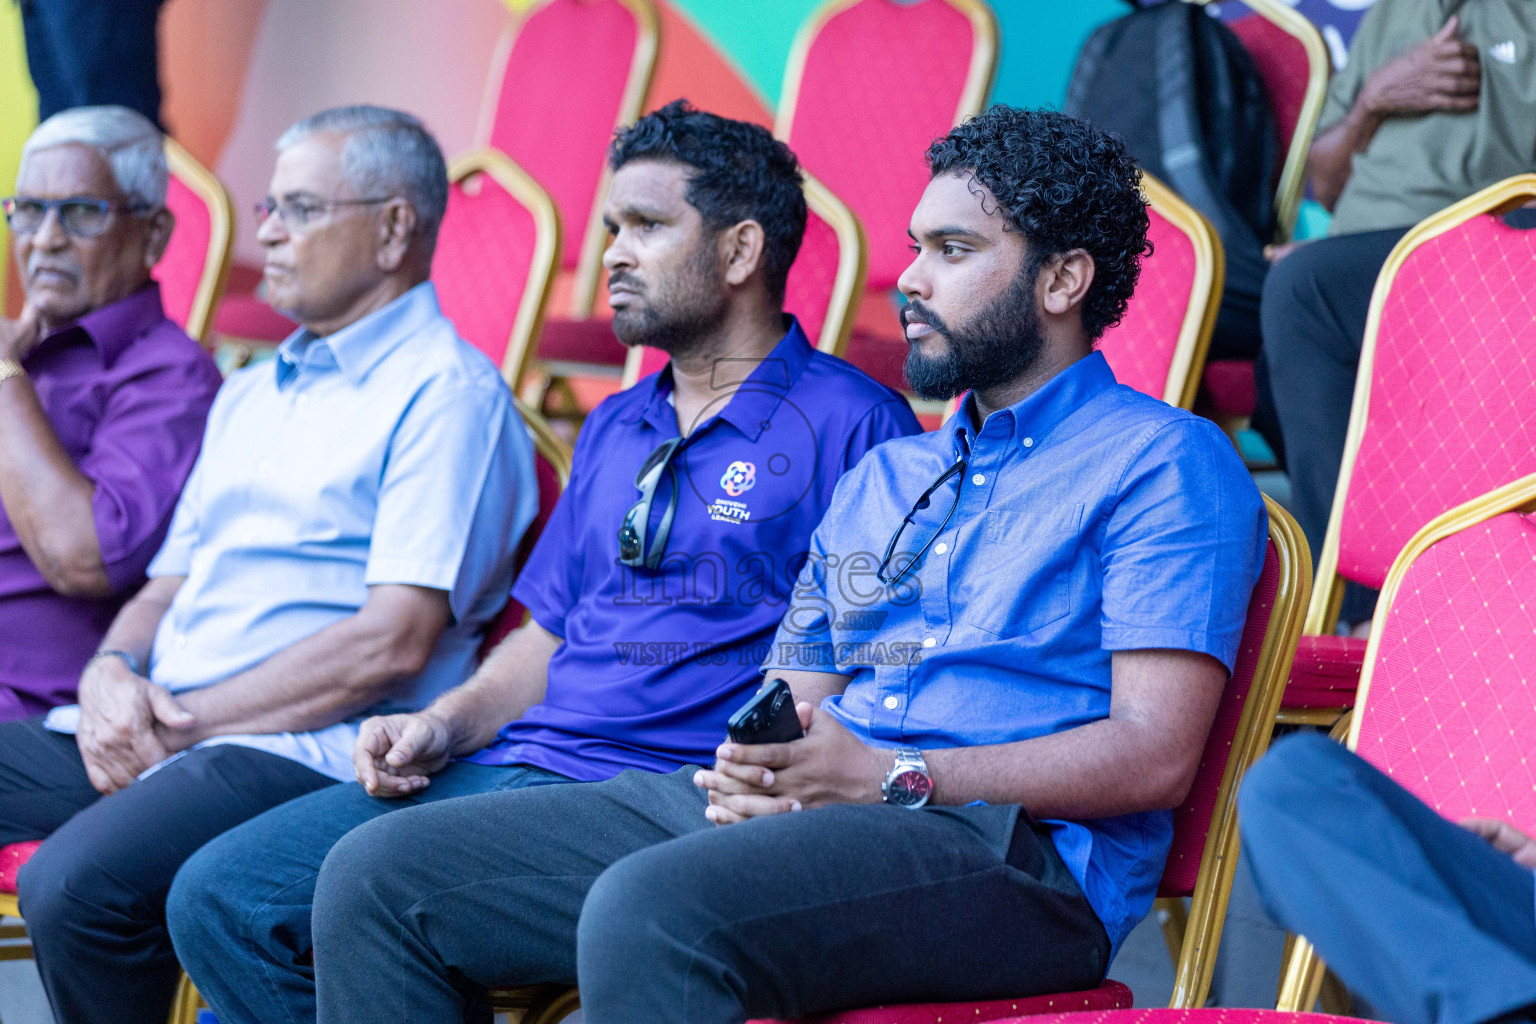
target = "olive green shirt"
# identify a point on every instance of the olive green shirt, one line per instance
(1418, 164)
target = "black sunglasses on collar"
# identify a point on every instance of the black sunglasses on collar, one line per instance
(636, 524)
(955, 469)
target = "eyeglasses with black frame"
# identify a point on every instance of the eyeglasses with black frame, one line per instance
(79, 216)
(636, 524)
(955, 469)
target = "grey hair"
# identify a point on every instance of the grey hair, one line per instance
(128, 140)
(387, 152)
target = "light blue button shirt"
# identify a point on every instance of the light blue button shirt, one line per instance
(387, 453)
(1091, 519)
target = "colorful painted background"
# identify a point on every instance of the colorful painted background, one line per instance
(236, 72)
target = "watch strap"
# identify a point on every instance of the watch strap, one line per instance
(11, 368)
(132, 662)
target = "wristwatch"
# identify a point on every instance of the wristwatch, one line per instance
(11, 368)
(908, 783)
(128, 659)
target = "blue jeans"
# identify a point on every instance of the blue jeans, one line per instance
(239, 909)
(1421, 917)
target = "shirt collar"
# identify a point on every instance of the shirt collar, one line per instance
(114, 326)
(753, 404)
(1036, 415)
(360, 346)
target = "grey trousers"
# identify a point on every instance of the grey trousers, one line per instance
(664, 917)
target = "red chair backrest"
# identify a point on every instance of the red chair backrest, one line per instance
(560, 98)
(180, 270)
(1192, 819)
(849, 133)
(1140, 349)
(1450, 706)
(1282, 62)
(1452, 388)
(549, 494)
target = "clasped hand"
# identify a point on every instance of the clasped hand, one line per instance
(395, 755)
(127, 724)
(828, 766)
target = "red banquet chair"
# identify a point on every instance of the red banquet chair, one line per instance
(835, 112)
(195, 266)
(1203, 859)
(1448, 696)
(1442, 412)
(1293, 61)
(824, 283)
(496, 256)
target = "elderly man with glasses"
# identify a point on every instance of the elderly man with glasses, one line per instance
(102, 398)
(344, 538)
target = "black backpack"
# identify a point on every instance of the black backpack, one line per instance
(1180, 89)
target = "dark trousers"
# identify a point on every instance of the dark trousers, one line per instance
(665, 917)
(93, 52)
(94, 893)
(239, 910)
(1313, 311)
(1421, 917)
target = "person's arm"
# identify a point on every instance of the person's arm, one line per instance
(1505, 838)
(397, 754)
(810, 687)
(120, 710)
(1441, 73)
(46, 497)
(327, 676)
(1142, 757)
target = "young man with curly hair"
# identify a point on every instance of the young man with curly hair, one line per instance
(1000, 712)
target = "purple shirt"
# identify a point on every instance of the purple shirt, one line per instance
(127, 392)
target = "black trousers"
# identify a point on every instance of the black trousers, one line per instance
(1421, 917)
(666, 918)
(94, 893)
(1313, 311)
(91, 52)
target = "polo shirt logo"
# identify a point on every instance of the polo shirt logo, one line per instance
(1503, 52)
(739, 478)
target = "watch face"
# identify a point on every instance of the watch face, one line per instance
(910, 789)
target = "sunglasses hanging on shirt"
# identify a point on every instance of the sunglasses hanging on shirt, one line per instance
(636, 525)
(955, 469)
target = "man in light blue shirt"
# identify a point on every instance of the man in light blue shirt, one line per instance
(1017, 628)
(344, 539)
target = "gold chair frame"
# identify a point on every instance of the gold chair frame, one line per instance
(642, 66)
(1194, 342)
(1328, 585)
(1303, 978)
(208, 188)
(1293, 172)
(847, 284)
(546, 251)
(978, 77)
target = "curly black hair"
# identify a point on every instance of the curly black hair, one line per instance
(741, 172)
(1066, 184)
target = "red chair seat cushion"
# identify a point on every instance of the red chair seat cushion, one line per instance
(1213, 1015)
(1109, 996)
(581, 341)
(11, 859)
(1227, 389)
(1326, 672)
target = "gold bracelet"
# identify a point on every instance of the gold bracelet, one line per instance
(11, 368)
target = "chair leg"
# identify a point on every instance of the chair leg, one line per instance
(188, 1002)
(554, 1009)
(1174, 918)
(1302, 981)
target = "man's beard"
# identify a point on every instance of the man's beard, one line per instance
(677, 318)
(997, 345)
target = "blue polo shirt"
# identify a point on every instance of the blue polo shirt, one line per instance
(654, 662)
(1092, 519)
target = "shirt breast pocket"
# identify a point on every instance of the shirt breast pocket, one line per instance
(1025, 582)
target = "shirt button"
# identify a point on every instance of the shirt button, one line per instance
(891, 703)
(929, 641)
(978, 479)
(1029, 442)
(940, 548)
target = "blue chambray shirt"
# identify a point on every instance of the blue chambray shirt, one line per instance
(387, 453)
(1092, 519)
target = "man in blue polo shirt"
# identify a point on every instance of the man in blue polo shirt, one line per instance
(1018, 628)
(657, 585)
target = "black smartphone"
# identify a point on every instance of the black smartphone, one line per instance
(769, 717)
